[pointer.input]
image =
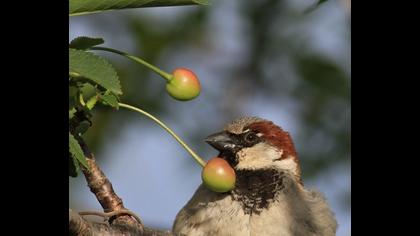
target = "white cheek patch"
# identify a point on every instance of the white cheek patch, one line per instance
(265, 156)
(260, 135)
(287, 164)
(259, 156)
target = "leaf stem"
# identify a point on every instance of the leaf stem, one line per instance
(160, 72)
(74, 74)
(81, 100)
(196, 157)
(87, 12)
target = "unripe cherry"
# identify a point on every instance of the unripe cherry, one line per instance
(183, 85)
(218, 175)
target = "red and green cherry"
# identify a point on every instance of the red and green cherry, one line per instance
(183, 85)
(218, 176)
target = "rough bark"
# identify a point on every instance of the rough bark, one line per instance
(120, 221)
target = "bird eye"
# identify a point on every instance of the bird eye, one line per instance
(250, 137)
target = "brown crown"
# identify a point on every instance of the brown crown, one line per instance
(277, 137)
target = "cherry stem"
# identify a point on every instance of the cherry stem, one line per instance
(160, 72)
(81, 100)
(196, 157)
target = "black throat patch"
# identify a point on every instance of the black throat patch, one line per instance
(255, 189)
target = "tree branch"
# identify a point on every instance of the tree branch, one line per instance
(81, 227)
(104, 192)
(121, 221)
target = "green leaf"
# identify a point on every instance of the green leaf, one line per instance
(94, 68)
(109, 99)
(76, 150)
(72, 111)
(83, 42)
(72, 104)
(92, 102)
(80, 7)
(73, 167)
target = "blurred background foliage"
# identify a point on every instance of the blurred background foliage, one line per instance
(266, 58)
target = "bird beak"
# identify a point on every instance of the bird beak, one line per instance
(222, 141)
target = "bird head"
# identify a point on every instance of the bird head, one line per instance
(252, 143)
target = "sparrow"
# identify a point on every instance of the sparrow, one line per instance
(269, 197)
